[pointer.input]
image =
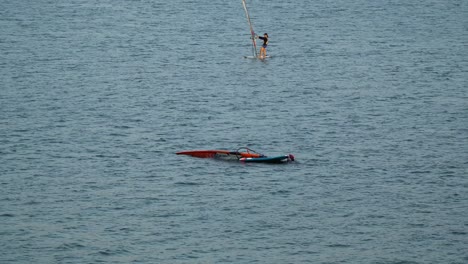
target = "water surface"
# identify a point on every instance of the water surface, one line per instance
(96, 97)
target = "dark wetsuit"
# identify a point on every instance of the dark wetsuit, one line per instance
(265, 41)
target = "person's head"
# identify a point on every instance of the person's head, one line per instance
(265, 35)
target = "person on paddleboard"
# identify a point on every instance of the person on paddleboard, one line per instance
(264, 46)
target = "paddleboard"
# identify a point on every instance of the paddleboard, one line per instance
(253, 57)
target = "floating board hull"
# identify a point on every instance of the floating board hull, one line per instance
(277, 159)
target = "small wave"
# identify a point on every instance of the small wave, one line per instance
(7, 215)
(111, 252)
(67, 246)
(459, 232)
(281, 192)
(338, 246)
(188, 183)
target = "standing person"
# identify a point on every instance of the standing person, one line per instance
(264, 46)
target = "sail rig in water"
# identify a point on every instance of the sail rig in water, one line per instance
(252, 32)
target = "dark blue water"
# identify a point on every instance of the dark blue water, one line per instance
(97, 96)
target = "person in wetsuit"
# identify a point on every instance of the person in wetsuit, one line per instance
(264, 46)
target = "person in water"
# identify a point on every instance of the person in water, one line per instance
(264, 46)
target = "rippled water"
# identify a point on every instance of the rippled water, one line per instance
(97, 96)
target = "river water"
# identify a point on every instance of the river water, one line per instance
(97, 96)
